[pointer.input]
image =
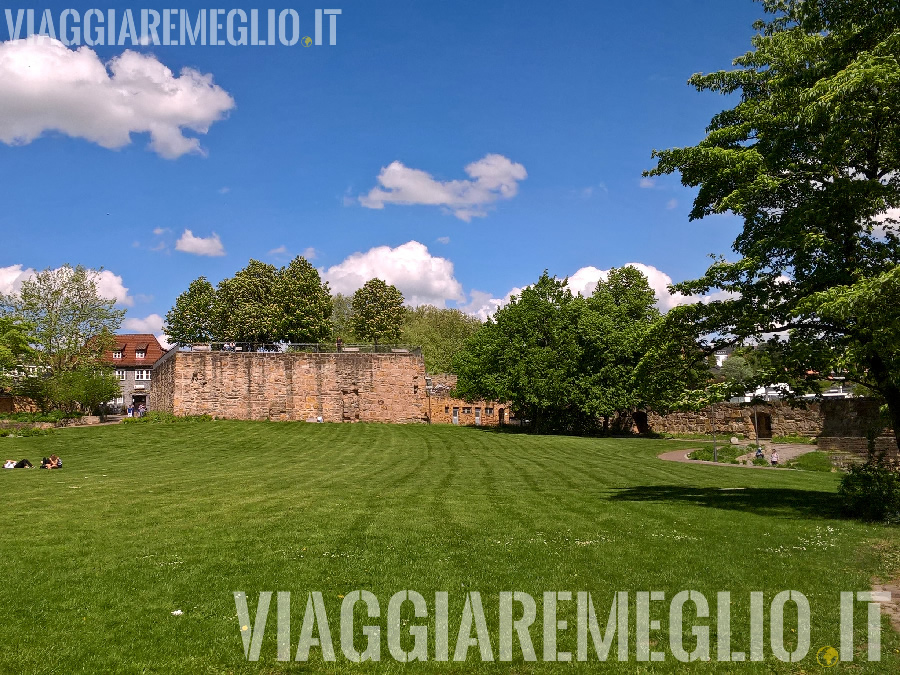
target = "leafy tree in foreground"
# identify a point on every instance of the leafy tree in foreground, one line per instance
(528, 354)
(441, 333)
(567, 362)
(15, 348)
(305, 302)
(810, 159)
(192, 319)
(74, 325)
(377, 312)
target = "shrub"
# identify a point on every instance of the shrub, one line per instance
(50, 416)
(165, 418)
(794, 440)
(871, 491)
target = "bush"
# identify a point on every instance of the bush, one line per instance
(165, 418)
(25, 431)
(761, 461)
(794, 440)
(726, 454)
(30, 418)
(871, 491)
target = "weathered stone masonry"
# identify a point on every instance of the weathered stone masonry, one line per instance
(343, 387)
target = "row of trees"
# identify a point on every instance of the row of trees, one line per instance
(54, 332)
(570, 363)
(262, 304)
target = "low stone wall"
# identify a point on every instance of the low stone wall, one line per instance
(776, 419)
(339, 387)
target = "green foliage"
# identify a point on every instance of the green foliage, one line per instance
(192, 318)
(260, 304)
(50, 416)
(726, 454)
(15, 347)
(810, 159)
(342, 318)
(72, 325)
(871, 491)
(24, 432)
(793, 440)
(157, 417)
(377, 312)
(812, 461)
(567, 362)
(86, 387)
(441, 333)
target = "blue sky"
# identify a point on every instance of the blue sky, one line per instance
(575, 95)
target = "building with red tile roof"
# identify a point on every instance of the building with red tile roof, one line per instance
(133, 356)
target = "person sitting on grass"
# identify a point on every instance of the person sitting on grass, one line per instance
(53, 462)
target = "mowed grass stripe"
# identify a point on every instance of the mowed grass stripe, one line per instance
(145, 519)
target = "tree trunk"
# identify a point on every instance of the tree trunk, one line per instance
(891, 394)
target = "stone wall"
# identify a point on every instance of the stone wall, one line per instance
(776, 419)
(341, 387)
(468, 413)
(17, 404)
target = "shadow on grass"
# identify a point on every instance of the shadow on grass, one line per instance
(762, 501)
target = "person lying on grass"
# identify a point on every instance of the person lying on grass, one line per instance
(21, 464)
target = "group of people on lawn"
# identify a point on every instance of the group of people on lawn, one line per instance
(51, 462)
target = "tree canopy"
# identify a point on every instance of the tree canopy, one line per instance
(809, 158)
(441, 333)
(570, 363)
(72, 323)
(259, 304)
(377, 312)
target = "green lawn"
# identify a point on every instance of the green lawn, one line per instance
(147, 519)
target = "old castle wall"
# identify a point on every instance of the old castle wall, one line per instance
(341, 387)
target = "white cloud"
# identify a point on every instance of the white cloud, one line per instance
(224, 190)
(159, 231)
(888, 219)
(647, 183)
(149, 324)
(443, 240)
(209, 246)
(483, 305)
(109, 284)
(281, 250)
(493, 177)
(46, 87)
(420, 276)
(672, 204)
(310, 253)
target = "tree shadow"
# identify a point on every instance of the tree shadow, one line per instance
(773, 502)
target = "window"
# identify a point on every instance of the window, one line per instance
(117, 354)
(467, 411)
(120, 374)
(142, 375)
(140, 354)
(488, 411)
(446, 408)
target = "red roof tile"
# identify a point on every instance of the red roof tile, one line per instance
(130, 344)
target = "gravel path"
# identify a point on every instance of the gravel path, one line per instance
(785, 453)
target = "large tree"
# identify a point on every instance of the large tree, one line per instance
(193, 317)
(73, 324)
(528, 354)
(377, 312)
(306, 303)
(809, 158)
(441, 333)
